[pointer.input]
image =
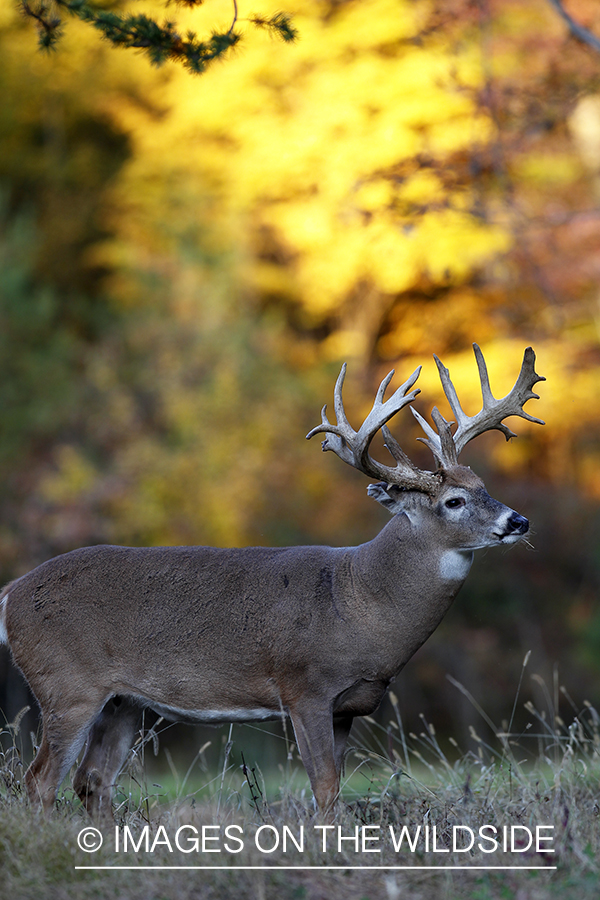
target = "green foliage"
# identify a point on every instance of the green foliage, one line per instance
(39, 353)
(49, 24)
(279, 23)
(160, 43)
(141, 32)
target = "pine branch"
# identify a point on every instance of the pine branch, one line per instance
(279, 23)
(159, 42)
(49, 26)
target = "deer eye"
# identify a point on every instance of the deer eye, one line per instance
(455, 502)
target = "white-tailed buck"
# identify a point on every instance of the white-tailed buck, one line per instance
(220, 635)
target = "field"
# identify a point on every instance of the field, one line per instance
(517, 817)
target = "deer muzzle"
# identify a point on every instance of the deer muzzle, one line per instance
(514, 528)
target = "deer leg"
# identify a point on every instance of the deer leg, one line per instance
(341, 732)
(63, 737)
(108, 744)
(315, 737)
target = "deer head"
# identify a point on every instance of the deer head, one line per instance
(454, 491)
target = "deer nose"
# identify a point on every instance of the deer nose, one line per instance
(517, 523)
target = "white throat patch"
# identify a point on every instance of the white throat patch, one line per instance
(455, 564)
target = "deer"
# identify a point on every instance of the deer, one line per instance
(214, 635)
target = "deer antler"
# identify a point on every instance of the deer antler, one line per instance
(353, 446)
(446, 446)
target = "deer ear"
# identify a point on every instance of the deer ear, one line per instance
(386, 494)
(398, 501)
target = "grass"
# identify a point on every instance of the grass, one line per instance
(548, 777)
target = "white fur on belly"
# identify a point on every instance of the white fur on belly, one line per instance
(212, 716)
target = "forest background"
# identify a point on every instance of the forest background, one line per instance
(186, 260)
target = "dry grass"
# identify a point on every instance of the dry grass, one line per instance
(548, 776)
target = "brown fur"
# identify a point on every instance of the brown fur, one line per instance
(316, 633)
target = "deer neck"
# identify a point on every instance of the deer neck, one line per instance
(406, 579)
(412, 546)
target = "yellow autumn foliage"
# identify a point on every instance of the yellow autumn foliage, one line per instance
(321, 166)
(329, 181)
(316, 145)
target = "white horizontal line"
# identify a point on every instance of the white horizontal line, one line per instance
(321, 868)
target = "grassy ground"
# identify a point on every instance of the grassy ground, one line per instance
(547, 779)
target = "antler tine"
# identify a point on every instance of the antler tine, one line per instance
(524, 383)
(450, 392)
(493, 411)
(449, 453)
(340, 437)
(440, 444)
(406, 473)
(353, 446)
(381, 412)
(484, 378)
(432, 440)
(338, 403)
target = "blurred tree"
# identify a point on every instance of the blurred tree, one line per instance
(404, 180)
